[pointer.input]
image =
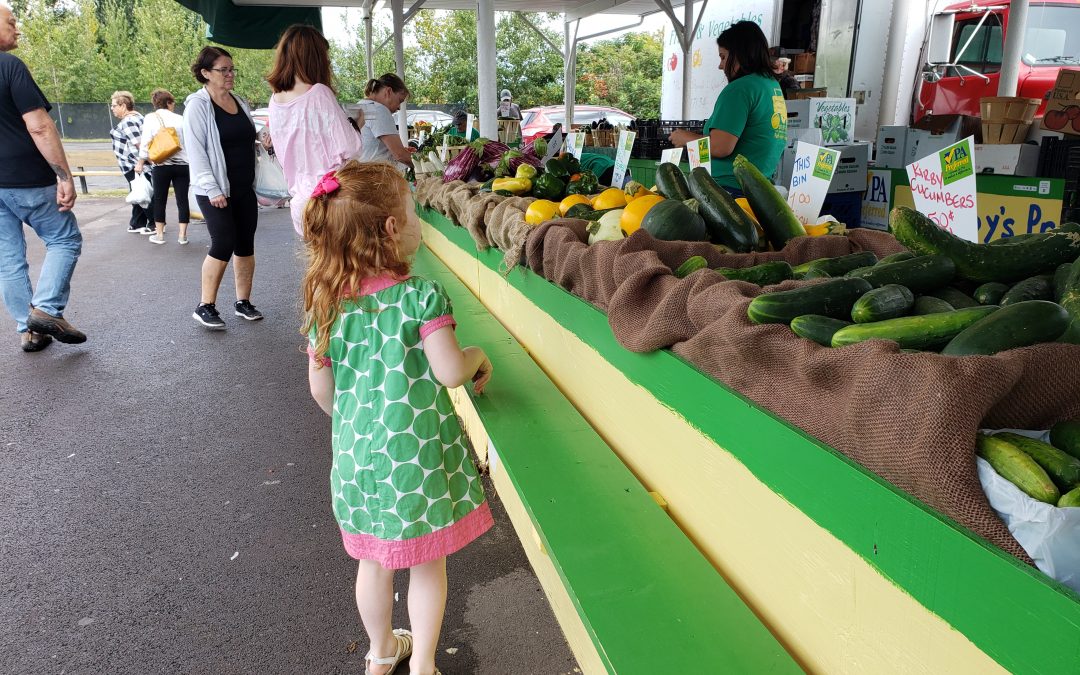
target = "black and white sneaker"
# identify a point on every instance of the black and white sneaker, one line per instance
(207, 315)
(247, 310)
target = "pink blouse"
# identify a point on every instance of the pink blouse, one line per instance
(311, 135)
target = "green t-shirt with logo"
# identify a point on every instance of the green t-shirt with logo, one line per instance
(752, 108)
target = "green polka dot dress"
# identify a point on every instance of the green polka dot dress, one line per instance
(404, 488)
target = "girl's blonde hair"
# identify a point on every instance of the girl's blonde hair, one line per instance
(346, 241)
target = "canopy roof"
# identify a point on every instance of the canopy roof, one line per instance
(573, 9)
(252, 27)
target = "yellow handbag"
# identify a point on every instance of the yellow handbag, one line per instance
(164, 144)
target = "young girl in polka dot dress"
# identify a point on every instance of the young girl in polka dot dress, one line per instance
(383, 352)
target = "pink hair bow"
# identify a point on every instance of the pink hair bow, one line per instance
(328, 184)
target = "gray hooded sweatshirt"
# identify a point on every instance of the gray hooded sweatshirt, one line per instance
(203, 145)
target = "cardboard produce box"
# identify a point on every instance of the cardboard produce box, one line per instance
(937, 132)
(850, 173)
(889, 149)
(834, 116)
(804, 63)
(1063, 107)
(1019, 159)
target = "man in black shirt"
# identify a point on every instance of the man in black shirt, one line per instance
(36, 188)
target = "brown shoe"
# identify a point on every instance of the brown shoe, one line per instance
(34, 342)
(56, 326)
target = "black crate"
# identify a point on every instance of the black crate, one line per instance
(1054, 157)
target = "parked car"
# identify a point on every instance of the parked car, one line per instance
(436, 118)
(539, 121)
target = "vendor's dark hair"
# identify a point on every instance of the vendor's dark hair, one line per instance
(746, 44)
(205, 61)
(388, 80)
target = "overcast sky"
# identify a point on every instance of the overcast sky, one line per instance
(338, 23)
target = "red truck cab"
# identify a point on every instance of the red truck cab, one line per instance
(974, 38)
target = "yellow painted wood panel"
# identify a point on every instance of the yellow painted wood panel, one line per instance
(829, 607)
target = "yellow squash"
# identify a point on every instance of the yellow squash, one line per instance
(635, 211)
(540, 211)
(565, 204)
(611, 198)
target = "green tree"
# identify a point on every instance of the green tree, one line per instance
(624, 72)
(350, 61)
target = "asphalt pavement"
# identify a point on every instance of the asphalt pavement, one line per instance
(165, 488)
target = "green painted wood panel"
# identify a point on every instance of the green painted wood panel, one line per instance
(1012, 612)
(644, 592)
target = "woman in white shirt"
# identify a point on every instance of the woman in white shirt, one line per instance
(173, 171)
(384, 97)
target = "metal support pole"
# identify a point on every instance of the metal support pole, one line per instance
(367, 44)
(1014, 48)
(688, 50)
(570, 72)
(486, 84)
(397, 8)
(894, 63)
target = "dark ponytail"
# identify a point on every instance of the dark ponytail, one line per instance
(391, 80)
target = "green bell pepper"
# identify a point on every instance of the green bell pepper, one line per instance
(556, 167)
(547, 186)
(586, 185)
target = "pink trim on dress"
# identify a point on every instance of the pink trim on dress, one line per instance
(324, 360)
(395, 555)
(435, 324)
(372, 285)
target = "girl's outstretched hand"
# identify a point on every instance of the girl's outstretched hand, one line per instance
(483, 374)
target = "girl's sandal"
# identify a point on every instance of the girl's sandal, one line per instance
(404, 651)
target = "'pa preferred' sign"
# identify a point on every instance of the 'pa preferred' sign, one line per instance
(943, 188)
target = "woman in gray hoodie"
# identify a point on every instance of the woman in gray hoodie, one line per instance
(220, 137)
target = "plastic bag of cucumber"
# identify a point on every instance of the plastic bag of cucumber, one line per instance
(910, 418)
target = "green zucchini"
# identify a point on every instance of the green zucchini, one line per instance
(816, 273)
(818, 328)
(926, 332)
(990, 293)
(1015, 466)
(692, 264)
(1017, 325)
(897, 257)
(1063, 469)
(838, 266)
(1061, 277)
(1070, 294)
(921, 274)
(926, 304)
(833, 298)
(1036, 288)
(765, 274)
(981, 262)
(887, 302)
(954, 296)
(776, 217)
(671, 182)
(1066, 436)
(1070, 498)
(726, 221)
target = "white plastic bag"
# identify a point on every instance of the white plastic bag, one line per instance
(269, 178)
(1050, 535)
(141, 191)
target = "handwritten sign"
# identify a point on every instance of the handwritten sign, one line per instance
(445, 148)
(943, 186)
(700, 154)
(468, 127)
(671, 156)
(810, 178)
(622, 157)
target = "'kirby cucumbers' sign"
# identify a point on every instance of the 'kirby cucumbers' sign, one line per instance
(700, 154)
(810, 178)
(943, 185)
(622, 157)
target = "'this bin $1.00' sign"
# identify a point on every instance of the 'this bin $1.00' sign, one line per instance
(943, 187)
(810, 178)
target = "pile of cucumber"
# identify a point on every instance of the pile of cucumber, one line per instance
(944, 295)
(1048, 472)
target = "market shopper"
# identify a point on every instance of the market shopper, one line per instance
(172, 172)
(126, 137)
(508, 110)
(360, 229)
(750, 116)
(788, 84)
(36, 188)
(383, 98)
(311, 132)
(221, 138)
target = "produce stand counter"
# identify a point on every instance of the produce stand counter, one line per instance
(601, 544)
(848, 572)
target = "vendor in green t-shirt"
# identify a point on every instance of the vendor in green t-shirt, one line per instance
(749, 117)
(458, 127)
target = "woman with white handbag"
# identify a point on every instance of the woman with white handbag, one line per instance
(162, 145)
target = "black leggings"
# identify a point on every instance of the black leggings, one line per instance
(178, 175)
(232, 229)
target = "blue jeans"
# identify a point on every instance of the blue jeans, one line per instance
(63, 243)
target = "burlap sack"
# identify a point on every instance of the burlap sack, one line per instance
(507, 229)
(425, 190)
(909, 418)
(458, 199)
(477, 214)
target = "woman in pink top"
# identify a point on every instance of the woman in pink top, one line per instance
(311, 133)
